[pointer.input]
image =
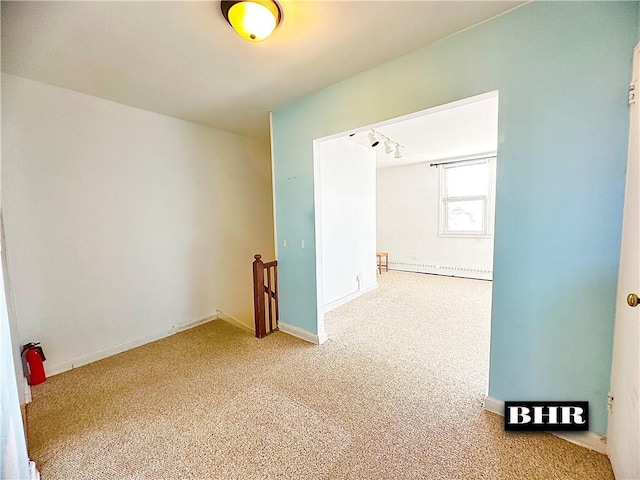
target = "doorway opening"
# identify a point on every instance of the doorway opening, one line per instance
(420, 188)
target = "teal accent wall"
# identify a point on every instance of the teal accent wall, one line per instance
(562, 70)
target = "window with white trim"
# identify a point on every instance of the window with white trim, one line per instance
(465, 189)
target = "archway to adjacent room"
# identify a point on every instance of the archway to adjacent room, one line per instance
(425, 195)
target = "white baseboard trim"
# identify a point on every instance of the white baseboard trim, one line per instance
(108, 352)
(322, 337)
(590, 440)
(181, 327)
(23, 414)
(341, 301)
(303, 334)
(26, 389)
(444, 270)
(234, 321)
(494, 405)
(34, 474)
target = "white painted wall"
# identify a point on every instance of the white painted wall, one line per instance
(348, 216)
(408, 226)
(122, 224)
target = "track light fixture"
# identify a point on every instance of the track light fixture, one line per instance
(372, 139)
(388, 143)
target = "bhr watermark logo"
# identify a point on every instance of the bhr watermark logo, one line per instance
(545, 416)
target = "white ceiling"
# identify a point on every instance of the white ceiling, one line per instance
(182, 59)
(464, 129)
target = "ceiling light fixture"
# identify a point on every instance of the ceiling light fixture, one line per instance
(253, 20)
(373, 140)
(387, 147)
(398, 153)
(389, 143)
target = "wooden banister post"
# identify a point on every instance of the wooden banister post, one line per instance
(258, 296)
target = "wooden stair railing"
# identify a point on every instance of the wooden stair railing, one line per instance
(264, 325)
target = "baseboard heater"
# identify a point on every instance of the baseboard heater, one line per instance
(441, 269)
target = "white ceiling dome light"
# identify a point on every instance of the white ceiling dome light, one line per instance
(253, 20)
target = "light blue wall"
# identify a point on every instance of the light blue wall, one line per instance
(562, 70)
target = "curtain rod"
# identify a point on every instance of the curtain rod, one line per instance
(462, 160)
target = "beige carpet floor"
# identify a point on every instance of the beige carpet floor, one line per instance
(394, 394)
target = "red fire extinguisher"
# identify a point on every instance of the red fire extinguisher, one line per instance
(33, 358)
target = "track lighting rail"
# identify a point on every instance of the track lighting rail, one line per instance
(388, 142)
